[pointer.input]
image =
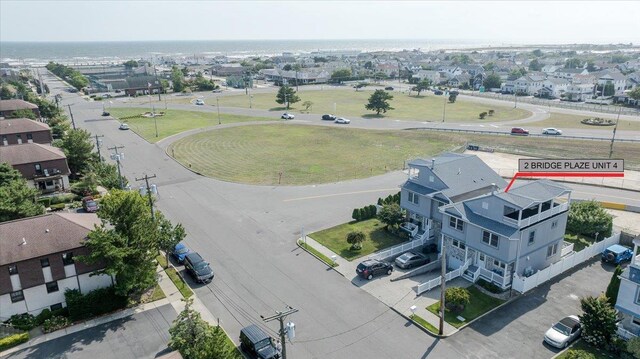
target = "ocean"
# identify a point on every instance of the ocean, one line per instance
(81, 52)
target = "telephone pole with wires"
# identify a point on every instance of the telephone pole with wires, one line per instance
(289, 331)
(98, 145)
(150, 189)
(118, 156)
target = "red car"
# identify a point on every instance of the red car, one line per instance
(519, 131)
(89, 205)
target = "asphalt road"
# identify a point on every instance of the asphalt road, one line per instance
(248, 233)
(142, 335)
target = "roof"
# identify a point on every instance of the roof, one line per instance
(136, 82)
(254, 333)
(12, 105)
(30, 153)
(570, 70)
(461, 210)
(43, 235)
(617, 249)
(534, 192)
(416, 188)
(21, 125)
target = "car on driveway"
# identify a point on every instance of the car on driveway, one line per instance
(519, 131)
(124, 126)
(199, 102)
(89, 205)
(179, 252)
(564, 332)
(551, 131)
(342, 120)
(616, 254)
(198, 268)
(328, 117)
(287, 116)
(410, 260)
(373, 267)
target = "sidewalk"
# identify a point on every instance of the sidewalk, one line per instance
(399, 295)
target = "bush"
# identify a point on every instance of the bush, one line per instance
(44, 315)
(456, 298)
(62, 198)
(55, 323)
(355, 214)
(57, 207)
(491, 112)
(13, 340)
(489, 286)
(94, 303)
(23, 321)
(633, 347)
(578, 354)
(355, 239)
(46, 201)
(589, 217)
(482, 115)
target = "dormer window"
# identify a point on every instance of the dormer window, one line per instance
(413, 172)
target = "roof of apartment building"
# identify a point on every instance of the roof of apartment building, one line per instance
(12, 105)
(30, 153)
(35, 237)
(534, 192)
(21, 125)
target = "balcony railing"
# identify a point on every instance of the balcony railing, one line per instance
(502, 281)
(47, 173)
(537, 217)
(625, 334)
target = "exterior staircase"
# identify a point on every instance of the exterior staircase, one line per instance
(471, 274)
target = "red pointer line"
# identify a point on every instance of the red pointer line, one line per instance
(563, 174)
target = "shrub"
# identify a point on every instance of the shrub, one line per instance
(57, 207)
(589, 217)
(598, 321)
(491, 112)
(62, 198)
(13, 340)
(489, 286)
(482, 115)
(54, 323)
(380, 201)
(456, 298)
(355, 215)
(578, 354)
(23, 321)
(44, 315)
(633, 347)
(355, 239)
(94, 303)
(46, 201)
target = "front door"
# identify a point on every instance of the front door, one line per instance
(481, 260)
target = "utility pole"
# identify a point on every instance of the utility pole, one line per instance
(98, 142)
(280, 317)
(444, 107)
(613, 138)
(443, 280)
(150, 189)
(218, 107)
(72, 121)
(118, 157)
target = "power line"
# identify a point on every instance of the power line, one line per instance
(280, 316)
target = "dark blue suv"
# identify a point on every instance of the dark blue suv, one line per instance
(617, 254)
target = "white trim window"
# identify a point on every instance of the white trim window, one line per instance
(414, 198)
(532, 237)
(456, 223)
(459, 244)
(490, 238)
(552, 250)
(637, 297)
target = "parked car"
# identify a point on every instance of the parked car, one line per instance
(105, 113)
(342, 120)
(90, 205)
(217, 91)
(410, 260)
(179, 252)
(616, 254)
(328, 117)
(255, 342)
(124, 126)
(437, 92)
(287, 116)
(564, 332)
(199, 102)
(373, 267)
(519, 131)
(551, 131)
(389, 88)
(198, 268)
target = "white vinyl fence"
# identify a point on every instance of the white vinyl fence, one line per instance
(400, 248)
(525, 284)
(427, 286)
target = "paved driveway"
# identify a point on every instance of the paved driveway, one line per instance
(142, 335)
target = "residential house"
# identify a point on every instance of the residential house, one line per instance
(142, 85)
(8, 107)
(23, 130)
(528, 84)
(388, 68)
(567, 73)
(459, 202)
(578, 92)
(552, 88)
(628, 301)
(433, 76)
(618, 80)
(227, 69)
(44, 167)
(304, 76)
(37, 262)
(461, 80)
(549, 69)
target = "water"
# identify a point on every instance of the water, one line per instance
(33, 52)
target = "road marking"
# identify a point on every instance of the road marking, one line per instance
(340, 194)
(602, 194)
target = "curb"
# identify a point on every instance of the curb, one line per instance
(588, 184)
(427, 331)
(318, 258)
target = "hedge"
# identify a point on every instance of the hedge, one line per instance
(13, 340)
(94, 303)
(23, 321)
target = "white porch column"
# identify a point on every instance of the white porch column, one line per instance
(636, 243)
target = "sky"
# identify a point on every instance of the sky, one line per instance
(487, 21)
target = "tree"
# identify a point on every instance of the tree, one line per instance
(341, 75)
(589, 217)
(59, 126)
(598, 321)
(78, 148)
(5, 93)
(287, 67)
(177, 77)
(492, 81)
(635, 93)
(391, 215)
(203, 84)
(286, 95)
(421, 86)
(360, 85)
(456, 298)
(130, 64)
(87, 185)
(23, 113)
(17, 198)
(535, 65)
(537, 53)
(452, 97)
(128, 245)
(169, 235)
(517, 73)
(591, 67)
(194, 338)
(573, 63)
(355, 239)
(609, 89)
(307, 105)
(614, 285)
(378, 102)
(107, 175)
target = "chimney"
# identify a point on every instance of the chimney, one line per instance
(493, 188)
(433, 163)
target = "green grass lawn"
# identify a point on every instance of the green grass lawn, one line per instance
(480, 304)
(347, 102)
(428, 326)
(157, 294)
(335, 238)
(177, 280)
(324, 258)
(563, 120)
(175, 121)
(579, 241)
(583, 348)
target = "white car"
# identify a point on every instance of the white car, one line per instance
(563, 332)
(287, 116)
(551, 131)
(124, 126)
(342, 120)
(199, 102)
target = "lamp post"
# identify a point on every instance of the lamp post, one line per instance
(218, 106)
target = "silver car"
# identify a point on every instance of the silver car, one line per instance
(342, 120)
(410, 260)
(551, 131)
(563, 332)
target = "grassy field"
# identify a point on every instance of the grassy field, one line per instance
(563, 120)
(344, 102)
(175, 121)
(315, 252)
(335, 238)
(579, 241)
(480, 303)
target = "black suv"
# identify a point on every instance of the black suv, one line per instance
(257, 343)
(328, 117)
(373, 267)
(198, 268)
